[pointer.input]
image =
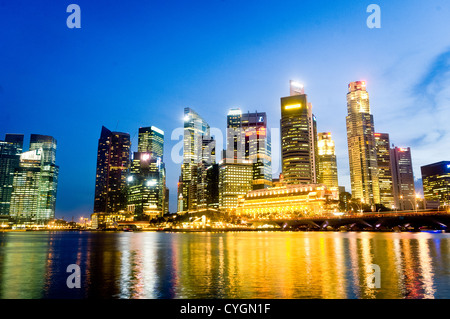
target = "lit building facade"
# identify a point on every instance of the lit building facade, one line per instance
(198, 148)
(327, 164)
(235, 179)
(249, 139)
(289, 201)
(146, 187)
(10, 150)
(151, 140)
(436, 184)
(257, 145)
(403, 178)
(361, 145)
(298, 138)
(113, 164)
(146, 182)
(385, 170)
(35, 182)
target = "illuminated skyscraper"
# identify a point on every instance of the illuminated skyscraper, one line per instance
(113, 163)
(257, 145)
(195, 146)
(384, 169)
(361, 145)
(298, 138)
(146, 186)
(436, 184)
(248, 139)
(327, 172)
(235, 179)
(35, 182)
(10, 150)
(403, 178)
(151, 140)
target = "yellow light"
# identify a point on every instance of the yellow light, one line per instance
(293, 106)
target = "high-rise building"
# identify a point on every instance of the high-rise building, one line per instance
(151, 140)
(327, 164)
(146, 182)
(403, 178)
(197, 142)
(384, 170)
(113, 163)
(47, 144)
(235, 180)
(298, 146)
(248, 139)
(146, 187)
(10, 150)
(235, 146)
(436, 184)
(361, 145)
(257, 148)
(35, 181)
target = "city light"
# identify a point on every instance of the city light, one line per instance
(293, 106)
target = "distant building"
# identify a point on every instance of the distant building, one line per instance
(361, 145)
(298, 138)
(196, 141)
(10, 150)
(436, 184)
(35, 181)
(248, 139)
(288, 201)
(146, 181)
(403, 178)
(113, 164)
(327, 164)
(384, 170)
(151, 140)
(235, 180)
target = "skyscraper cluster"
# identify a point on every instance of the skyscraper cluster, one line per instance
(130, 184)
(379, 174)
(28, 180)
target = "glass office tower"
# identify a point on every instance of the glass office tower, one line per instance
(361, 145)
(113, 163)
(328, 174)
(384, 169)
(298, 129)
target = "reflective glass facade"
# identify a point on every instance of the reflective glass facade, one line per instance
(361, 145)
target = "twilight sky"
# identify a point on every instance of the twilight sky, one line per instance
(139, 63)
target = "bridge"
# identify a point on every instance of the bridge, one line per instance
(406, 220)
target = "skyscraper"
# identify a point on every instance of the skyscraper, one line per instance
(403, 178)
(146, 187)
(327, 164)
(10, 150)
(297, 138)
(147, 178)
(235, 179)
(35, 182)
(436, 184)
(195, 144)
(248, 139)
(151, 140)
(113, 163)
(361, 145)
(257, 148)
(384, 169)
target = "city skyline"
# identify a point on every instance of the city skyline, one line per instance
(410, 108)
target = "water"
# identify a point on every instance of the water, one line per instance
(224, 265)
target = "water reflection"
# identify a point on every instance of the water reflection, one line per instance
(224, 265)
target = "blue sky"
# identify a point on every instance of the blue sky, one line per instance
(139, 63)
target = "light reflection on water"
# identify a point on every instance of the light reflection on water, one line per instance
(224, 265)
